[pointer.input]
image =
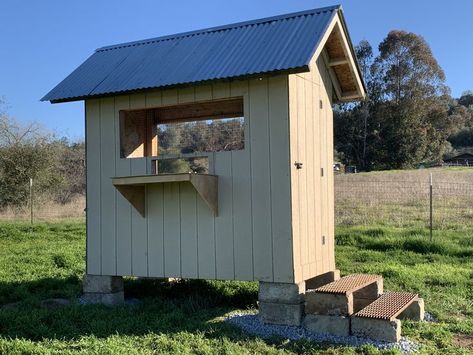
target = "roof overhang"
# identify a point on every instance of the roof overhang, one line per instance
(339, 57)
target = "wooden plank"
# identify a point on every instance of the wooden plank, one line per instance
(243, 241)
(154, 99)
(131, 187)
(172, 231)
(169, 97)
(203, 92)
(94, 253)
(316, 270)
(303, 201)
(205, 241)
(260, 180)
(293, 138)
(155, 220)
(188, 204)
(221, 90)
(309, 114)
(330, 182)
(108, 198)
(223, 108)
(139, 235)
(280, 180)
(324, 164)
(186, 94)
(123, 208)
(224, 221)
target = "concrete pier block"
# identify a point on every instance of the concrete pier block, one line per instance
(376, 329)
(334, 325)
(415, 311)
(328, 303)
(281, 303)
(322, 279)
(281, 313)
(103, 289)
(281, 292)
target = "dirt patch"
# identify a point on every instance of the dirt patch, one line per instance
(463, 341)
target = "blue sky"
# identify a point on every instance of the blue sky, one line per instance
(43, 41)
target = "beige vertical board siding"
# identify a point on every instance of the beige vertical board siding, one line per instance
(179, 235)
(280, 166)
(107, 190)
(260, 180)
(92, 113)
(205, 217)
(303, 198)
(203, 92)
(310, 170)
(205, 240)
(330, 178)
(294, 156)
(186, 95)
(316, 269)
(221, 90)
(241, 185)
(139, 228)
(155, 210)
(311, 143)
(172, 230)
(123, 207)
(169, 97)
(323, 163)
(224, 220)
(188, 213)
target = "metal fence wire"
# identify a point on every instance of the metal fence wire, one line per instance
(359, 200)
(403, 203)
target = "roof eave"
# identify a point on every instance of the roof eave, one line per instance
(300, 69)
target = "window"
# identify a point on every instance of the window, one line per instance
(202, 127)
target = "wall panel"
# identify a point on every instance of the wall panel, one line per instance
(180, 236)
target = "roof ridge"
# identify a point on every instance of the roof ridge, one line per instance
(219, 28)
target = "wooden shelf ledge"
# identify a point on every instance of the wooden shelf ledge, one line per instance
(133, 187)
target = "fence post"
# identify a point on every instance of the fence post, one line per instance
(431, 206)
(31, 200)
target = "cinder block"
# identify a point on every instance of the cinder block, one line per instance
(376, 329)
(360, 303)
(321, 280)
(415, 311)
(281, 313)
(334, 325)
(328, 303)
(372, 291)
(102, 284)
(281, 292)
(115, 298)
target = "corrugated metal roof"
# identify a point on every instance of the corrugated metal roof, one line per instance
(281, 43)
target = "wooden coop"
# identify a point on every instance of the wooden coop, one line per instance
(210, 153)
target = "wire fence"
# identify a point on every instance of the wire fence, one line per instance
(440, 205)
(360, 199)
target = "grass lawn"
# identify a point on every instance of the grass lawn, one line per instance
(47, 261)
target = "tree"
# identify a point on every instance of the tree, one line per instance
(24, 153)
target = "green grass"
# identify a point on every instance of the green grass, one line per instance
(47, 261)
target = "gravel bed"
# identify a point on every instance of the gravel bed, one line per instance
(250, 323)
(430, 318)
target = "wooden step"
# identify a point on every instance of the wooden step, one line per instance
(388, 306)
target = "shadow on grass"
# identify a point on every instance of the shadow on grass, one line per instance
(163, 307)
(169, 308)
